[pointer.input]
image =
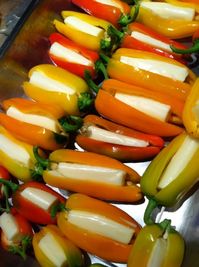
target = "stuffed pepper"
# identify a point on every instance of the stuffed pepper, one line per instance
(105, 137)
(157, 245)
(171, 173)
(17, 157)
(191, 111)
(111, 10)
(151, 71)
(34, 123)
(16, 233)
(92, 174)
(73, 57)
(53, 85)
(98, 227)
(91, 32)
(35, 201)
(138, 108)
(175, 20)
(5, 175)
(52, 248)
(139, 36)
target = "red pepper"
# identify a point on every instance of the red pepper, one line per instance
(118, 151)
(66, 62)
(19, 241)
(35, 201)
(112, 13)
(193, 49)
(134, 39)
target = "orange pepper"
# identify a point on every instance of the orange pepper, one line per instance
(128, 192)
(34, 134)
(149, 80)
(97, 244)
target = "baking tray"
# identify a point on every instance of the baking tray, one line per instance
(26, 47)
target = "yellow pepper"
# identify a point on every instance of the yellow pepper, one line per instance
(191, 111)
(53, 85)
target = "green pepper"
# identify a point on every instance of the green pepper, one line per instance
(171, 173)
(157, 245)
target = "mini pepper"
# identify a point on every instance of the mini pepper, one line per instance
(112, 11)
(151, 71)
(91, 32)
(52, 248)
(178, 22)
(92, 174)
(17, 157)
(34, 123)
(159, 245)
(171, 173)
(98, 227)
(128, 105)
(53, 85)
(105, 137)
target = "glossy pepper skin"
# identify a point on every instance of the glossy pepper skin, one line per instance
(34, 134)
(143, 78)
(185, 3)
(119, 112)
(22, 242)
(111, 13)
(121, 152)
(73, 255)
(30, 210)
(130, 41)
(184, 176)
(67, 100)
(70, 64)
(190, 112)
(97, 244)
(174, 29)
(145, 243)
(128, 192)
(20, 167)
(100, 42)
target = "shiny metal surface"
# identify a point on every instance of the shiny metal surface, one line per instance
(28, 49)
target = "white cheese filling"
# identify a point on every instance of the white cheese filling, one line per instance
(169, 11)
(18, 153)
(37, 120)
(159, 67)
(9, 227)
(99, 134)
(39, 197)
(110, 3)
(150, 40)
(83, 26)
(148, 106)
(41, 80)
(101, 225)
(90, 173)
(52, 250)
(70, 55)
(158, 253)
(179, 161)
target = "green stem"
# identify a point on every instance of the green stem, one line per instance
(126, 19)
(193, 49)
(90, 82)
(21, 249)
(71, 123)
(148, 212)
(57, 208)
(5, 192)
(85, 101)
(41, 165)
(100, 67)
(14, 187)
(43, 162)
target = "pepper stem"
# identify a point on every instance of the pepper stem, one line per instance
(14, 187)
(21, 249)
(100, 67)
(85, 101)
(71, 123)
(41, 165)
(57, 208)
(126, 19)
(149, 209)
(92, 85)
(193, 49)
